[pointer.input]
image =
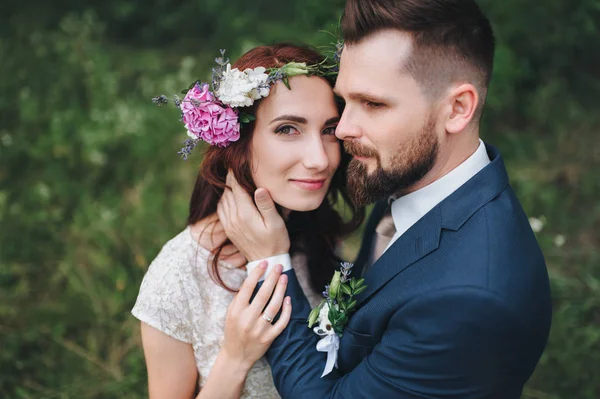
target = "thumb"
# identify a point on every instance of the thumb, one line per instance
(266, 206)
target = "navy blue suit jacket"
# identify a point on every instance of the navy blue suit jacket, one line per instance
(458, 307)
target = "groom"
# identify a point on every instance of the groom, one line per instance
(457, 303)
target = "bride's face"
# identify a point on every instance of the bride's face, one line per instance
(294, 149)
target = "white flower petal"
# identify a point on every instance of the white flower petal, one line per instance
(560, 240)
(536, 224)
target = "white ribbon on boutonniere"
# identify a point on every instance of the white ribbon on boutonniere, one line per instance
(331, 345)
(333, 312)
(330, 342)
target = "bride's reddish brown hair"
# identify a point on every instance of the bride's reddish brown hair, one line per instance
(315, 233)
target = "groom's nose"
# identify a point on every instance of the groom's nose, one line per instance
(347, 127)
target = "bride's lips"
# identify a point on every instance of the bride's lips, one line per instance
(309, 184)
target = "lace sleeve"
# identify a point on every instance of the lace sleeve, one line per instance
(162, 302)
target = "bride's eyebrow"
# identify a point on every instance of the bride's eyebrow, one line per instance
(290, 118)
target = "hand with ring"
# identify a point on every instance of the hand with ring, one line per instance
(249, 327)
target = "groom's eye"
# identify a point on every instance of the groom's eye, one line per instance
(373, 104)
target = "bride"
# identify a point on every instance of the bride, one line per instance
(270, 119)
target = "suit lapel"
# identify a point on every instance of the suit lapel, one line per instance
(420, 240)
(424, 236)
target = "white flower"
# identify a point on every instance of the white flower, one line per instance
(560, 240)
(6, 140)
(324, 327)
(43, 190)
(259, 78)
(107, 215)
(240, 89)
(192, 135)
(537, 224)
(97, 158)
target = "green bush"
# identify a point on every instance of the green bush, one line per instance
(90, 191)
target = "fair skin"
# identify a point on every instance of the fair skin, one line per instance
(171, 365)
(294, 149)
(294, 154)
(385, 109)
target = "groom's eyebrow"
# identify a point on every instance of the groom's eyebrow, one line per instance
(365, 97)
(291, 118)
(357, 96)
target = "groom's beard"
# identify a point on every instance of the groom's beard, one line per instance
(412, 162)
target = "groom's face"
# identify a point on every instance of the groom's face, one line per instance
(387, 125)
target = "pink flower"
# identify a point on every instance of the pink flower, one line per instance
(200, 92)
(207, 119)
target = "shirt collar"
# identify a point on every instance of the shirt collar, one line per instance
(408, 209)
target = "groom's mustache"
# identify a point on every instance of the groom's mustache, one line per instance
(357, 150)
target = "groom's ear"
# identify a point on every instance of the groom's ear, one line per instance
(463, 101)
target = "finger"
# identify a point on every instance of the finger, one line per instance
(283, 321)
(225, 209)
(223, 214)
(247, 288)
(227, 196)
(228, 199)
(266, 207)
(277, 298)
(229, 179)
(240, 196)
(266, 290)
(230, 308)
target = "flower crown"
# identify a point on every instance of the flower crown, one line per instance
(212, 112)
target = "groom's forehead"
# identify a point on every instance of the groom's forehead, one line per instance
(381, 53)
(359, 73)
(385, 46)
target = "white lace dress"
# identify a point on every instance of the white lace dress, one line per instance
(178, 297)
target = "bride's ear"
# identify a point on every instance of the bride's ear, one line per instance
(463, 102)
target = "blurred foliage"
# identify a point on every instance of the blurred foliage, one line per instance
(91, 186)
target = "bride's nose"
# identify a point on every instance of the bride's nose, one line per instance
(315, 155)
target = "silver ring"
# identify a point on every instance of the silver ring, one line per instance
(267, 318)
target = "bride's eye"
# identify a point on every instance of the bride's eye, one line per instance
(329, 130)
(286, 129)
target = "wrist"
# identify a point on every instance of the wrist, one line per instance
(257, 256)
(236, 365)
(282, 259)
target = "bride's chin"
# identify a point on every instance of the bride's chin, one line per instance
(300, 205)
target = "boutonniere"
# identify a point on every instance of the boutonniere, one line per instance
(332, 313)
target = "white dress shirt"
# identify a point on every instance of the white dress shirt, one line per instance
(408, 209)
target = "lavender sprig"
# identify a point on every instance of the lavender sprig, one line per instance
(339, 47)
(177, 101)
(275, 77)
(217, 72)
(160, 100)
(189, 145)
(346, 271)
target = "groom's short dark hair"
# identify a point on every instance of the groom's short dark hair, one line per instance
(452, 39)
